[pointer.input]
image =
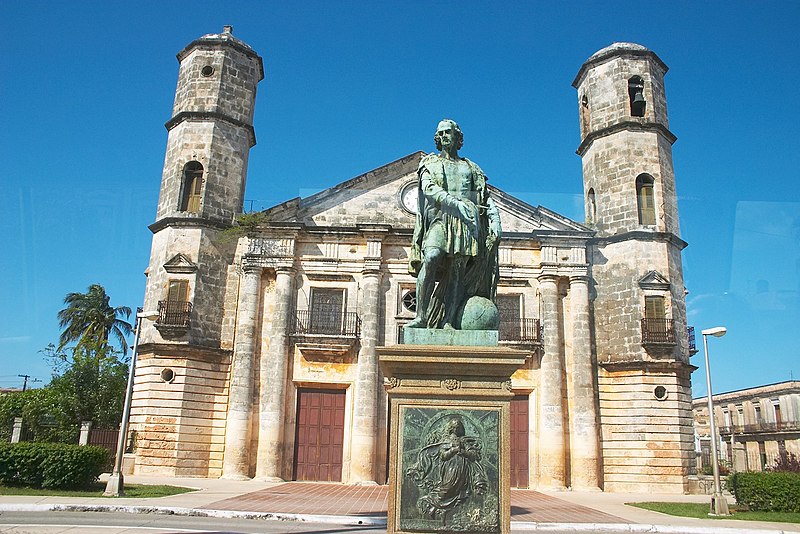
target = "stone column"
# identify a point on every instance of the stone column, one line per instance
(551, 407)
(584, 434)
(274, 364)
(236, 463)
(16, 431)
(365, 399)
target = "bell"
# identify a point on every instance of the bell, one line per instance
(638, 105)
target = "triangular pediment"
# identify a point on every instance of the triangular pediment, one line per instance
(377, 197)
(180, 264)
(654, 280)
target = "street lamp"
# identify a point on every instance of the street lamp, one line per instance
(114, 487)
(719, 506)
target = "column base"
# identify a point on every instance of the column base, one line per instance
(364, 483)
(269, 479)
(235, 477)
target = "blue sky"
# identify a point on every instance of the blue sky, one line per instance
(87, 86)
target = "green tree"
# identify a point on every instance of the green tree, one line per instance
(90, 319)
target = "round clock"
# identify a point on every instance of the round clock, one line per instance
(408, 196)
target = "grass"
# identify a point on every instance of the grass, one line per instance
(700, 510)
(97, 489)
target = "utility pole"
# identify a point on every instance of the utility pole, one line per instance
(25, 383)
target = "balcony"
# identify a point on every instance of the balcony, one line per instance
(174, 317)
(658, 335)
(761, 428)
(521, 332)
(326, 323)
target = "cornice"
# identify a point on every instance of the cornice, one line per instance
(203, 116)
(188, 222)
(632, 126)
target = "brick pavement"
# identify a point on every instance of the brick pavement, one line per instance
(338, 499)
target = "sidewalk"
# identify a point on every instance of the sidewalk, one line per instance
(366, 505)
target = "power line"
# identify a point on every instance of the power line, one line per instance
(25, 384)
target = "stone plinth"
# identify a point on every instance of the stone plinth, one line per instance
(449, 451)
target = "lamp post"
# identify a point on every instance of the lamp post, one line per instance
(114, 487)
(719, 506)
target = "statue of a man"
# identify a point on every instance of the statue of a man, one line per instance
(456, 234)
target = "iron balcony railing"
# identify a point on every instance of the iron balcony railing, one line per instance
(324, 322)
(174, 313)
(783, 426)
(521, 331)
(658, 331)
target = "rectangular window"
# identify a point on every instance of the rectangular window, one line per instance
(175, 310)
(757, 411)
(326, 311)
(178, 291)
(654, 308)
(762, 454)
(510, 308)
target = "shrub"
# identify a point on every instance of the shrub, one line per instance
(787, 462)
(767, 492)
(50, 465)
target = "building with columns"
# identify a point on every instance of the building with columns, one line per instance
(262, 363)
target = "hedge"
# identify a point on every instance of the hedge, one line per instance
(50, 465)
(767, 492)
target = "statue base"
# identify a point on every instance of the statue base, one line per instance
(449, 451)
(450, 338)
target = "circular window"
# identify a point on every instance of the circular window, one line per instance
(410, 301)
(660, 392)
(207, 71)
(167, 374)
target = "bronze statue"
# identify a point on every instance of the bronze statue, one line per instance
(456, 234)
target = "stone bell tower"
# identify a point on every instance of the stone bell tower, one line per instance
(638, 308)
(185, 354)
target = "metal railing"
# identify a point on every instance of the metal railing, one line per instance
(174, 313)
(521, 331)
(783, 426)
(658, 331)
(324, 322)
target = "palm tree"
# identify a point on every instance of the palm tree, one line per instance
(89, 317)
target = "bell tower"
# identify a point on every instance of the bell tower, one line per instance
(638, 309)
(180, 390)
(202, 186)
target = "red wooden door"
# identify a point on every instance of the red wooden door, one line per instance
(519, 442)
(320, 435)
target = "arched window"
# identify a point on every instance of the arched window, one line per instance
(192, 187)
(645, 201)
(636, 96)
(591, 207)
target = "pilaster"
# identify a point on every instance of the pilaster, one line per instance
(236, 464)
(584, 432)
(552, 453)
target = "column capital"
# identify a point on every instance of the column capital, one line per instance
(285, 269)
(372, 272)
(251, 268)
(548, 277)
(579, 278)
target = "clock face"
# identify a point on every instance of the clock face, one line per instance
(408, 197)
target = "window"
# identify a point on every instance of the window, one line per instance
(636, 96)
(778, 418)
(762, 454)
(591, 207)
(192, 187)
(645, 201)
(176, 309)
(510, 311)
(654, 308)
(757, 411)
(326, 308)
(409, 300)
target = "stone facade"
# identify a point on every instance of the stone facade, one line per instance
(755, 425)
(264, 359)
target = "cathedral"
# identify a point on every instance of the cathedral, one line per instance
(262, 361)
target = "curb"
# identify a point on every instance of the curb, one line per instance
(373, 521)
(344, 520)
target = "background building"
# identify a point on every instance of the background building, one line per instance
(263, 363)
(756, 425)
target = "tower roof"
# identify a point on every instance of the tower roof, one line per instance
(616, 50)
(225, 38)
